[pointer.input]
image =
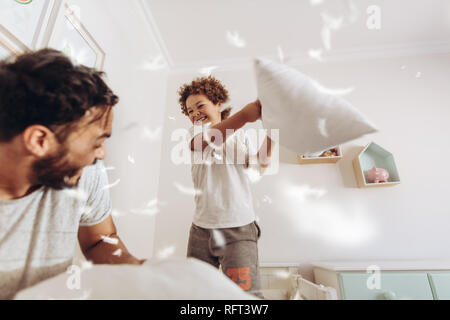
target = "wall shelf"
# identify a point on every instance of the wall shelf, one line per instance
(374, 155)
(315, 160)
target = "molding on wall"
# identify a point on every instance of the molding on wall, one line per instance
(333, 56)
(294, 59)
(154, 30)
(44, 39)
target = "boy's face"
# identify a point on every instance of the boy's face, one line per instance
(201, 110)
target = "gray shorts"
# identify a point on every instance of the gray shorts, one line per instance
(235, 250)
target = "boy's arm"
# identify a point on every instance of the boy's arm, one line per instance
(264, 154)
(250, 113)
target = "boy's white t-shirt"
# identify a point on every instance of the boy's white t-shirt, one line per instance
(221, 179)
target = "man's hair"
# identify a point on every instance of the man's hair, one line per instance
(212, 88)
(44, 87)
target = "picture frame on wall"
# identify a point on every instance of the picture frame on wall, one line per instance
(4, 53)
(28, 20)
(70, 36)
(10, 45)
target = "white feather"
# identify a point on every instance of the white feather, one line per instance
(235, 39)
(188, 191)
(156, 63)
(112, 185)
(109, 240)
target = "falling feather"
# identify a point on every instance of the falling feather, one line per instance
(267, 199)
(188, 191)
(354, 13)
(166, 252)
(152, 135)
(117, 253)
(117, 213)
(112, 185)
(154, 64)
(315, 54)
(326, 37)
(109, 240)
(331, 22)
(235, 39)
(315, 2)
(145, 211)
(87, 265)
(280, 54)
(302, 193)
(253, 175)
(323, 127)
(130, 126)
(108, 169)
(206, 71)
(217, 155)
(85, 296)
(219, 238)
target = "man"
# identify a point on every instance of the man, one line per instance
(54, 119)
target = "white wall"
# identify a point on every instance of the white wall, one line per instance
(407, 221)
(121, 30)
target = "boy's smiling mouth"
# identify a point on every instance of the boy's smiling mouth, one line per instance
(203, 118)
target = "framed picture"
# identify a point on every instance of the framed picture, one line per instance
(71, 37)
(9, 44)
(4, 53)
(27, 20)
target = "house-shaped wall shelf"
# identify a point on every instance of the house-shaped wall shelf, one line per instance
(374, 155)
(314, 160)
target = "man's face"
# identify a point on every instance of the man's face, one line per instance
(83, 147)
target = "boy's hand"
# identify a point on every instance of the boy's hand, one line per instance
(252, 111)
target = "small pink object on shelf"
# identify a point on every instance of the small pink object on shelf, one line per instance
(376, 175)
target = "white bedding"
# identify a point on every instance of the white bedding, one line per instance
(180, 279)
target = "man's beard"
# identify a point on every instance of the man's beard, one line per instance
(55, 171)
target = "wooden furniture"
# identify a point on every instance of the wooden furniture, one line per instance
(392, 280)
(315, 160)
(374, 155)
(283, 281)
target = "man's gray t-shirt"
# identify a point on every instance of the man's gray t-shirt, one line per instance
(38, 233)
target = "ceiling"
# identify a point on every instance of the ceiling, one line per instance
(194, 33)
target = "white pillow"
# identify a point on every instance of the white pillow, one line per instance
(309, 119)
(172, 279)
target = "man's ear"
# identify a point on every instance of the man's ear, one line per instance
(38, 140)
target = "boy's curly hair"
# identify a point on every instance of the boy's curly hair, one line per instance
(210, 87)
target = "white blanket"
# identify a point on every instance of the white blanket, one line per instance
(172, 279)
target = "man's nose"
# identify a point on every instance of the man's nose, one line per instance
(101, 153)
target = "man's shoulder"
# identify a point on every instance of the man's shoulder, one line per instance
(91, 174)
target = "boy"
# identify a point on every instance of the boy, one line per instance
(224, 231)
